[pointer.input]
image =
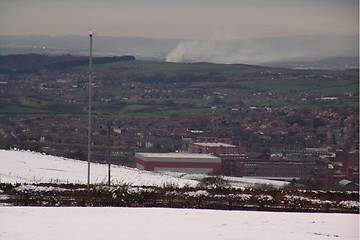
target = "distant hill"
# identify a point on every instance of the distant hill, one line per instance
(79, 46)
(24, 63)
(292, 52)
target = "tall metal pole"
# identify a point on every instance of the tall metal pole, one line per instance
(89, 123)
(109, 155)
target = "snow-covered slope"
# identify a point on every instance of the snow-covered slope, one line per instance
(175, 224)
(31, 167)
(147, 223)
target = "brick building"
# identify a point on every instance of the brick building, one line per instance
(215, 148)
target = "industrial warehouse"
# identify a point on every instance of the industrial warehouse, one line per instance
(211, 156)
(178, 162)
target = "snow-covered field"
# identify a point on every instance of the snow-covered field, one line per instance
(30, 167)
(19, 223)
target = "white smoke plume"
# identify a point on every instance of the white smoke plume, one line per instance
(256, 51)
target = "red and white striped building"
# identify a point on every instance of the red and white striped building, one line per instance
(178, 162)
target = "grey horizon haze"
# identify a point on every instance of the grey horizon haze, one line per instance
(201, 19)
(206, 30)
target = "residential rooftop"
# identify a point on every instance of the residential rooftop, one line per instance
(177, 155)
(212, 144)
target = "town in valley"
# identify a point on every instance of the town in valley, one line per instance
(232, 119)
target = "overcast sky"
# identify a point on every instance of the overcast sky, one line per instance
(200, 19)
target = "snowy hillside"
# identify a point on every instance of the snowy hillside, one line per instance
(24, 166)
(175, 224)
(30, 167)
(148, 223)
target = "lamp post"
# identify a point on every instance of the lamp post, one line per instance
(89, 120)
(109, 155)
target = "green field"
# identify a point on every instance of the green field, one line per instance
(322, 85)
(315, 84)
(175, 68)
(209, 78)
(19, 109)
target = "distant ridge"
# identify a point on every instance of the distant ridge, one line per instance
(79, 46)
(258, 51)
(26, 63)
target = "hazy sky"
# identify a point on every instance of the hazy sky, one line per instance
(180, 19)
